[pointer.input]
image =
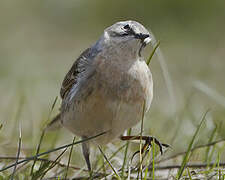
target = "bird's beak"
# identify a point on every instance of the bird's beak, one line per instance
(145, 39)
(141, 36)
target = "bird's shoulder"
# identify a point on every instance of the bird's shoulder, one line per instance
(77, 68)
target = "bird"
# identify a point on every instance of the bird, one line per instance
(107, 87)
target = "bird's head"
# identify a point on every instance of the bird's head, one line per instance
(126, 36)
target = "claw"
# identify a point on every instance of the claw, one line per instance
(147, 145)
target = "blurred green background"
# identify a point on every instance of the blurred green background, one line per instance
(39, 41)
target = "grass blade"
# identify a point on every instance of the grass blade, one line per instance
(125, 153)
(50, 151)
(189, 174)
(38, 150)
(153, 52)
(153, 159)
(41, 170)
(53, 105)
(50, 113)
(42, 136)
(114, 154)
(140, 146)
(186, 156)
(18, 154)
(54, 163)
(167, 77)
(104, 169)
(218, 165)
(18, 113)
(70, 155)
(148, 162)
(110, 164)
(210, 140)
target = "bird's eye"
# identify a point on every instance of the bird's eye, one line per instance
(127, 27)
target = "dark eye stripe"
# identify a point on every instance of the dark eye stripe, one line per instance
(124, 34)
(114, 34)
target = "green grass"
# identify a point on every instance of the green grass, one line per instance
(187, 154)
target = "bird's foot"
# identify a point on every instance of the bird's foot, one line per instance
(148, 143)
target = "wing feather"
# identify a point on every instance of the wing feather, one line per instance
(71, 77)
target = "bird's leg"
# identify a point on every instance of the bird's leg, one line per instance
(86, 153)
(148, 141)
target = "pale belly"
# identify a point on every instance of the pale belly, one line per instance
(111, 107)
(99, 114)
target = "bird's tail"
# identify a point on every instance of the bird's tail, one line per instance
(54, 124)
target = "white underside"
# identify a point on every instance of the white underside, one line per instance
(103, 111)
(99, 116)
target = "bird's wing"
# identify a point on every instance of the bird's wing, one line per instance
(76, 70)
(81, 69)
